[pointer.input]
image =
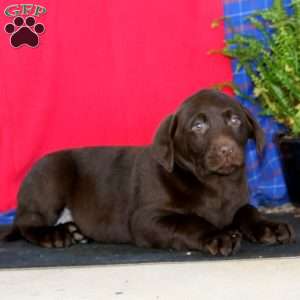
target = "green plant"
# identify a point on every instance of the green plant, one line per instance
(272, 62)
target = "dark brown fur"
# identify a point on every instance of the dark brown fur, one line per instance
(187, 190)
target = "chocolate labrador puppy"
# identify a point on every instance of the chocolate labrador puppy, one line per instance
(186, 191)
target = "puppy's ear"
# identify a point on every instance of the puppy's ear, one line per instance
(256, 131)
(163, 147)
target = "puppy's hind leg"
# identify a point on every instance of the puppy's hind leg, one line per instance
(39, 229)
(32, 227)
(66, 218)
(43, 196)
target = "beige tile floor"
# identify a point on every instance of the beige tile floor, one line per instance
(268, 279)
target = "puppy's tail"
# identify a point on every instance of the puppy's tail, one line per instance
(10, 234)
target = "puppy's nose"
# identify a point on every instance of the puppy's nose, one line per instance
(225, 149)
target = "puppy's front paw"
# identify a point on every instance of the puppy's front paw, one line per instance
(270, 233)
(224, 243)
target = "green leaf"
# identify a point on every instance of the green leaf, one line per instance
(273, 62)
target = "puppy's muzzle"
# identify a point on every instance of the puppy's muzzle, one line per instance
(224, 156)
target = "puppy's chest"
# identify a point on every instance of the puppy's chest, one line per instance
(218, 206)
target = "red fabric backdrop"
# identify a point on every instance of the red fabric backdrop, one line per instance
(105, 73)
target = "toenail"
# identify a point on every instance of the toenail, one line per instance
(77, 236)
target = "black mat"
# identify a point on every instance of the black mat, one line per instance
(23, 255)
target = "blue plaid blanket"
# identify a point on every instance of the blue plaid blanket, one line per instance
(7, 217)
(266, 182)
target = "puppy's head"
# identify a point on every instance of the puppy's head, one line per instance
(206, 135)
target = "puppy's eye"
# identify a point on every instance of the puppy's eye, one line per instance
(235, 121)
(200, 126)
